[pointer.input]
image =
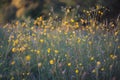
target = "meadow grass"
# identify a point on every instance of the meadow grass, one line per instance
(54, 49)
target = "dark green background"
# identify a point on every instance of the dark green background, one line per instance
(12, 9)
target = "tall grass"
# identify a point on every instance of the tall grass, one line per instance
(65, 49)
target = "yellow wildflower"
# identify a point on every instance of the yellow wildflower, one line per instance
(13, 62)
(93, 71)
(28, 73)
(14, 49)
(33, 34)
(17, 22)
(23, 73)
(52, 28)
(68, 10)
(48, 50)
(116, 40)
(56, 51)
(41, 18)
(23, 24)
(32, 50)
(90, 42)
(80, 64)
(116, 33)
(45, 30)
(92, 58)
(38, 51)
(113, 56)
(35, 22)
(76, 71)
(82, 21)
(97, 6)
(76, 25)
(28, 57)
(72, 20)
(65, 23)
(69, 64)
(65, 33)
(66, 55)
(98, 63)
(78, 40)
(22, 49)
(39, 64)
(102, 69)
(51, 61)
(41, 40)
(15, 42)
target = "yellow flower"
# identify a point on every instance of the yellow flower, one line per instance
(97, 6)
(32, 50)
(80, 64)
(68, 10)
(56, 51)
(15, 42)
(116, 40)
(51, 61)
(14, 49)
(90, 42)
(66, 55)
(48, 50)
(35, 22)
(33, 34)
(78, 40)
(28, 57)
(13, 62)
(65, 23)
(28, 73)
(41, 40)
(52, 28)
(39, 64)
(23, 24)
(93, 71)
(102, 69)
(22, 49)
(45, 30)
(65, 33)
(72, 20)
(17, 22)
(86, 36)
(69, 64)
(92, 58)
(116, 33)
(41, 18)
(23, 73)
(76, 25)
(113, 56)
(82, 21)
(84, 10)
(38, 51)
(76, 71)
(98, 63)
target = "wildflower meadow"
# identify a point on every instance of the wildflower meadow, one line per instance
(72, 47)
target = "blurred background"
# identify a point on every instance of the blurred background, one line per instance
(12, 9)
